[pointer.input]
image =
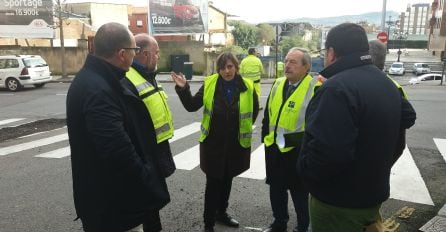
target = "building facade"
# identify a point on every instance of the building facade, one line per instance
(415, 21)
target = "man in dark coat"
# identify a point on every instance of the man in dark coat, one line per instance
(353, 124)
(115, 181)
(145, 64)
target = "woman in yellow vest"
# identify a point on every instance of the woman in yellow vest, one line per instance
(230, 109)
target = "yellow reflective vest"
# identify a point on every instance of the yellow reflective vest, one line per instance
(400, 88)
(246, 108)
(155, 101)
(286, 117)
(251, 67)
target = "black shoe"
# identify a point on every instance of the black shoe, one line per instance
(208, 229)
(273, 229)
(227, 220)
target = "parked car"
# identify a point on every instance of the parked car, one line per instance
(397, 68)
(17, 71)
(425, 77)
(421, 68)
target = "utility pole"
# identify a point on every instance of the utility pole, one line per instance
(383, 17)
(62, 42)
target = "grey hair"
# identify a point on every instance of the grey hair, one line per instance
(111, 37)
(377, 51)
(306, 58)
(144, 40)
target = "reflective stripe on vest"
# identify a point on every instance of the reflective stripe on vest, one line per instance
(288, 116)
(246, 107)
(155, 101)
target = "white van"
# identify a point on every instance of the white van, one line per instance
(17, 71)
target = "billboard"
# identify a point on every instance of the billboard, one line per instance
(178, 16)
(26, 18)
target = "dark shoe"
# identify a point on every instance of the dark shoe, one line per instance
(227, 220)
(208, 229)
(273, 229)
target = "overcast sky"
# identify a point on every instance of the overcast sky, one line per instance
(255, 11)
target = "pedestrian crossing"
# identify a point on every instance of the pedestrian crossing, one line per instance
(406, 181)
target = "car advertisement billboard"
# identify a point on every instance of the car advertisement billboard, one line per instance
(26, 18)
(178, 16)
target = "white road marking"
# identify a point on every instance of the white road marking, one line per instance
(4, 122)
(43, 132)
(441, 145)
(257, 168)
(32, 144)
(185, 131)
(188, 159)
(406, 182)
(57, 154)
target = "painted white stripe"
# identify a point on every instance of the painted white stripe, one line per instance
(441, 145)
(33, 144)
(257, 170)
(188, 159)
(3, 122)
(57, 154)
(185, 131)
(43, 132)
(406, 183)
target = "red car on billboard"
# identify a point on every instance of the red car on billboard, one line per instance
(186, 12)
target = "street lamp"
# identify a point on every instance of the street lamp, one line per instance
(399, 36)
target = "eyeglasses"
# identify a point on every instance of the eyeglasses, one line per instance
(136, 49)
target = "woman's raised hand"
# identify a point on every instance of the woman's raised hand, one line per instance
(179, 79)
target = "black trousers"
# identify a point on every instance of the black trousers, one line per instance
(216, 198)
(152, 222)
(279, 204)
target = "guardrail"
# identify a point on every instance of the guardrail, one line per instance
(435, 66)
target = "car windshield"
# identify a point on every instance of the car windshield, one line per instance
(34, 62)
(424, 65)
(397, 65)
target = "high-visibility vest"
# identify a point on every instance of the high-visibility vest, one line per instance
(400, 88)
(246, 108)
(288, 116)
(251, 67)
(155, 101)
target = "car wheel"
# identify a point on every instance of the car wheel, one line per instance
(39, 85)
(13, 84)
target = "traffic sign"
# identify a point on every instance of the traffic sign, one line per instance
(382, 36)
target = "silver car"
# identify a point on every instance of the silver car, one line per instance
(397, 68)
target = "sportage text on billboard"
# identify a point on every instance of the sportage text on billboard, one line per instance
(178, 16)
(26, 18)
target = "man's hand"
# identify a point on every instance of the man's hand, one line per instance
(179, 79)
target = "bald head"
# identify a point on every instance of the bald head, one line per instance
(377, 51)
(149, 54)
(111, 37)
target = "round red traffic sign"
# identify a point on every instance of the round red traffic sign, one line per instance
(382, 36)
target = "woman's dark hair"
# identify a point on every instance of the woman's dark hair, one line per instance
(223, 58)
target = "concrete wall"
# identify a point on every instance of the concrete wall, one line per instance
(195, 50)
(75, 56)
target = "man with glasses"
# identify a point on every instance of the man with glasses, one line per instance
(115, 184)
(282, 131)
(352, 130)
(154, 112)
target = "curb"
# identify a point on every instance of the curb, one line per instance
(437, 223)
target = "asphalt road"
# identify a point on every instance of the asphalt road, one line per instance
(35, 182)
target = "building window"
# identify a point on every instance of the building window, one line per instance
(139, 23)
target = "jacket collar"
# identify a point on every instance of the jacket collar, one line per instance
(105, 70)
(347, 62)
(141, 69)
(240, 85)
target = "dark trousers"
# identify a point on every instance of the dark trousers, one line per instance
(152, 222)
(216, 198)
(279, 204)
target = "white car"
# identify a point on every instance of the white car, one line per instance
(17, 71)
(420, 68)
(425, 77)
(397, 68)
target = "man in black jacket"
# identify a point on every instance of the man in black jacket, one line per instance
(153, 110)
(352, 128)
(115, 182)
